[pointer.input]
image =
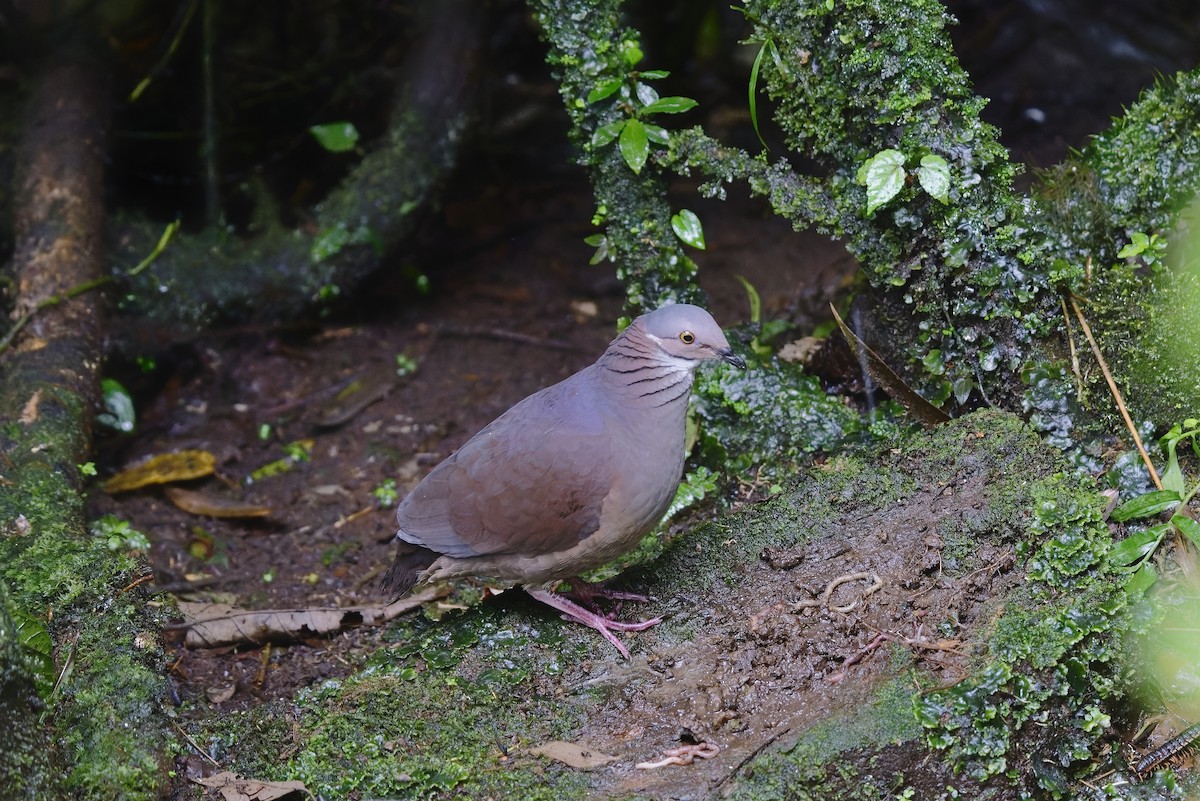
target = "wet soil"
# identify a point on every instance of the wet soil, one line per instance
(512, 306)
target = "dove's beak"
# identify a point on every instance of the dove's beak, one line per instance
(732, 358)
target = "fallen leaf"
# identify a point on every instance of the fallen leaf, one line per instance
(234, 788)
(801, 350)
(214, 624)
(220, 692)
(29, 414)
(164, 468)
(201, 503)
(574, 755)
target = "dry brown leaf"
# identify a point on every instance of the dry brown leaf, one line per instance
(29, 414)
(234, 788)
(574, 755)
(201, 503)
(214, 624)
(164, 468)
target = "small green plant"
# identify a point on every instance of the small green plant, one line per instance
(766, 331)
(117, 534)
(696, 486)
(294, 453)
(638, 101)
(405, 365)
(686, 226)
(336, 137)
(1150, 247)
(118, 411)
(298, 451)
(1135, 551)
(884, 176)
(386, 493)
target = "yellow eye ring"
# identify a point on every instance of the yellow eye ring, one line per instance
(687, 337)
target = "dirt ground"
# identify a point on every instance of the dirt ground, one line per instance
(513, 306)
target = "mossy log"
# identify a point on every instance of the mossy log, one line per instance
(80, 677)
(283, 272)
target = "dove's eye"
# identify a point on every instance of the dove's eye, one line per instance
(687, 337)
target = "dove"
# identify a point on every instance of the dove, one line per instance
(568, 479)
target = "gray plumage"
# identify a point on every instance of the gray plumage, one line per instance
(569, 478)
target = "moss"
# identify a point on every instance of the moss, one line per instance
(969, 290)
(445, 710)
(24, 759)
(767, 418)
(1030, 716)
(450, 709)
(806, 769)
(1032, 711)
(104, 733)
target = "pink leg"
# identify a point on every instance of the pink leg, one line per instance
(574, 611)
(585, 591)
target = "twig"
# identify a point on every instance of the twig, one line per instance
(164, 240)
(46, 303)
(86, 286)
(763, 746)
(504, 335)
(1074, 353)
(193, 743)
(1116, 393)
(142, 579)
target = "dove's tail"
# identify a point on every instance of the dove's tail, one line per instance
(410, 561)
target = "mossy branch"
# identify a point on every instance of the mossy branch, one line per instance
(589, 48)
(283, 272)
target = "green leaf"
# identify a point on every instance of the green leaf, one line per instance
(1172, 477)
(606, 89)
(595, 240)
(754, 91)
(601, 251)
(1138, 242)
(36, 647)
(753, 297)
(934, 175)
(1141, 579)
(631, 52)
(657, 134)
(118, 411)
(336, 137)
(1137, 546)
(606, 133)
(635, 146)
(686, 226)
(883, 175)
(1187, 527)
(646, 93)
(670, 105)
(653, 75)
(1145, 505)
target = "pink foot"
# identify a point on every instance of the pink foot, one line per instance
(573, 611)
(586, 591)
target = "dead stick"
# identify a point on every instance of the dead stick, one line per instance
(1116, 393)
